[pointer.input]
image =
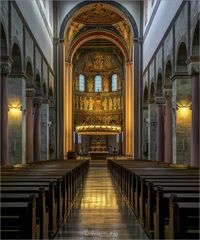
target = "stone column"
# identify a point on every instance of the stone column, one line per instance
(193, 67)
(5, 70)
(129, 120)
(168, 125)
(195, 120)
(68, 123)
(160, 136)
(37, 132)
(151, 123)
(30, 92)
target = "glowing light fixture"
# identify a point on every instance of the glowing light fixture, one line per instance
(15, 108)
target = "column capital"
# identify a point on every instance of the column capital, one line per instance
(167, 91)
(6, 64)
(151, 100)
(193, 63)
(37, 101)
(160, 100)
(30, 92)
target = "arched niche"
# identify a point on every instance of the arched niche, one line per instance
(38, 87)
(152, 90)
(145, 95)
(195, 41)
(4, 49)
(44, 89)
(181, 65)
(50, 93)
(17, 60)
(29, 72)
(168, 73)
(159, 85)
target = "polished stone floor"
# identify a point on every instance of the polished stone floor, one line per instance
(100, 212)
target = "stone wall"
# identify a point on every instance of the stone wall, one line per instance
(17, 120)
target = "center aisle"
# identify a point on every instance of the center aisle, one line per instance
(100, 212)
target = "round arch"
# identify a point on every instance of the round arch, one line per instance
(159, 85)
(182, 55)
(17, 60)
(4, 46)
(168, 73)
(133, 93)
(103, 35)
(85, 3)
(29, 71)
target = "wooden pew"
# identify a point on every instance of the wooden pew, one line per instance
(71, 172)
(161, 211)
(138, 183)
(183, 219)
(50, 201)
(41, 212)
(18, 220)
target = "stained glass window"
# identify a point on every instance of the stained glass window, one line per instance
(81, 83)
(98, 83)
(114, 82)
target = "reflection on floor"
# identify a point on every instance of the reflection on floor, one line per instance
(100, 212)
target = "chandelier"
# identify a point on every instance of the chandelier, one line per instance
(95, 126)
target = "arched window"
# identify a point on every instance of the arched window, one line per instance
(98, 83)
(114, 82)
(81, 83)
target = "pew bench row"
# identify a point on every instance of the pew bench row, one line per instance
(158, 193)
(36, 198)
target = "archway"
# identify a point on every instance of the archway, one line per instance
(3, 42)
(73, 40)
(159, 87)
(181, 58)
(17, 61)
(152, 90)
(195, 42)
(168, 73)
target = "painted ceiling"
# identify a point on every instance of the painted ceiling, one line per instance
(98, 14)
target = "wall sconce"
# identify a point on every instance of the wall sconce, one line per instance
(184, 107)
(14, 108)
(146, 121)
(49, 123)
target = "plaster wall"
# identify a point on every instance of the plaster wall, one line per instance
(31, 13)
(156, 33)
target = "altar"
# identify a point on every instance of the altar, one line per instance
(98, 149)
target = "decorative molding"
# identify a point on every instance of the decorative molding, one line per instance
(5, 68)
(30, 92)
(37, 101)
(193, 64)
(160, 100)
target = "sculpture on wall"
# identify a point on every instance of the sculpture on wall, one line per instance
(105, 103)
(118, 103)
(81, 103)
(91, 102)
(85, 103)
(110, 103)
(98, 103)
(115, 103)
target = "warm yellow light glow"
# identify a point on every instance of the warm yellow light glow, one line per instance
(100, 129)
